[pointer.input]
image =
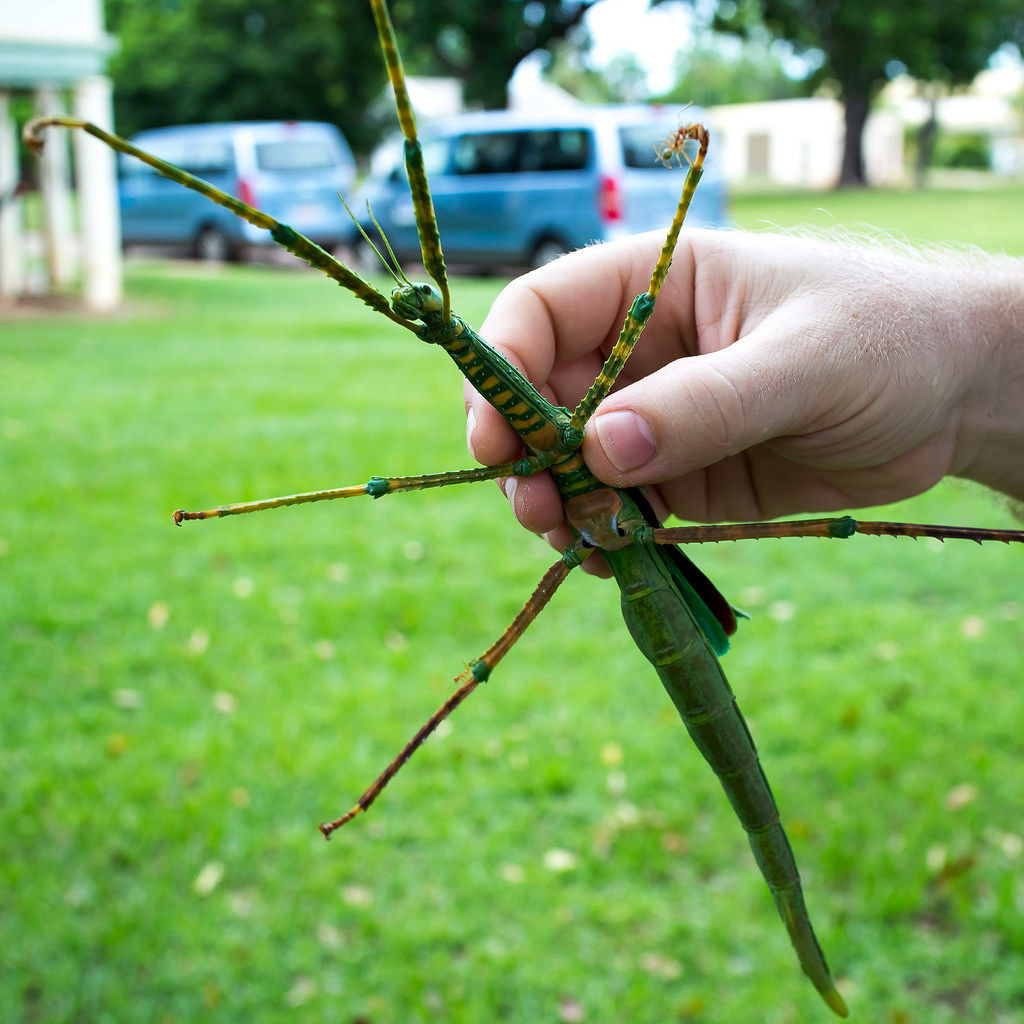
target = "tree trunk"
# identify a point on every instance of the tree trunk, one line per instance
(926, 135)
(855, 115)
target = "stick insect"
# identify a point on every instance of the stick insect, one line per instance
(676, 616)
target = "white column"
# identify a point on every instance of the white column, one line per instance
(54, 180)
(12, 262)
(97, 197)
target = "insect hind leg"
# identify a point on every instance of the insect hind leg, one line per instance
(476, 673)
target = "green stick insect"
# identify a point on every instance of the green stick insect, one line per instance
(677, 618)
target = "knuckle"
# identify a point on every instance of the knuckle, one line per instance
(722, 409)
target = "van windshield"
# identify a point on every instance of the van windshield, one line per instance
(641, 144)
(295, 155)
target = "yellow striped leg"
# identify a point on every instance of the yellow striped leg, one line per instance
(643, 305)
(426, 220)
(468, 681)
(375, 487)
(285, 236)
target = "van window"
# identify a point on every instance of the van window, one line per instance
(486, 154)
(556, 149)
(562, 150)
(204, 159)
(296, 155)
(641, 144)
(435, 157)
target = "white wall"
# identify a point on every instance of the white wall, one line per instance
(52, 21)
(799, 143)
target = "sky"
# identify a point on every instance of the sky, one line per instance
(655, 36)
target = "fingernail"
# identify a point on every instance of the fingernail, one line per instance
(470, 427)
(626, 439)
(509, 485)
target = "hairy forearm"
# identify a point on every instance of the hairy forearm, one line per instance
(990, 441)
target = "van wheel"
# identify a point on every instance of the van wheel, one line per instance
(212, 245)
(547, 250)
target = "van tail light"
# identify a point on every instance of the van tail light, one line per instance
(609, 199)
(246, 192)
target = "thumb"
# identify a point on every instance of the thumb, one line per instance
(700, 409)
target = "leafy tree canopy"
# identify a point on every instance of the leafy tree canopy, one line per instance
(716, 68)
(482, 41)
(712, 73)
(183, 61)
(863, 44)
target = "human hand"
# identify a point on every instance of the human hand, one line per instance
(776, 375)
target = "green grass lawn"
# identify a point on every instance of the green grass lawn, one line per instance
(180, 707)
(990, 217)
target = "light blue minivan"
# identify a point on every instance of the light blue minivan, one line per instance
(292, 170)
(512, 188)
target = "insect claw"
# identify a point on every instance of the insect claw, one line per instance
(32, 134)
(180, 515)
(674, 145)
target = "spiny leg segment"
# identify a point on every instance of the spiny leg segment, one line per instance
(419, 187)
(839, 529)
(643, 305)
(478, 672)
(375, 487)
(285, 236)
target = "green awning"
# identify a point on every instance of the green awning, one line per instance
(25, 64)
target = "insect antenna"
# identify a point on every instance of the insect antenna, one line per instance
(369, 241)
(391, 252)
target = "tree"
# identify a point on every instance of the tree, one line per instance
(864, 44)
(567, 68)
(709, 74)
(481, 42)
(185, 61)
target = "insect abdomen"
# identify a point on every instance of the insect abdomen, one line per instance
(665, 630)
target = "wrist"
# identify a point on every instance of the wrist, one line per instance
(990, 435)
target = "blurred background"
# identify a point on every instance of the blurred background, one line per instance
(179, 708)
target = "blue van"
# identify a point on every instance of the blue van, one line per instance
(512, 188)
(292, 170)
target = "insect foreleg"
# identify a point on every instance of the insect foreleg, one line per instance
(426, 221)
(477, 672)
(375, 487)
(285, 236)
(643, 305)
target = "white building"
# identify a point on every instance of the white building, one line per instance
(56, 50)
(990, 108)
(799, 143)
